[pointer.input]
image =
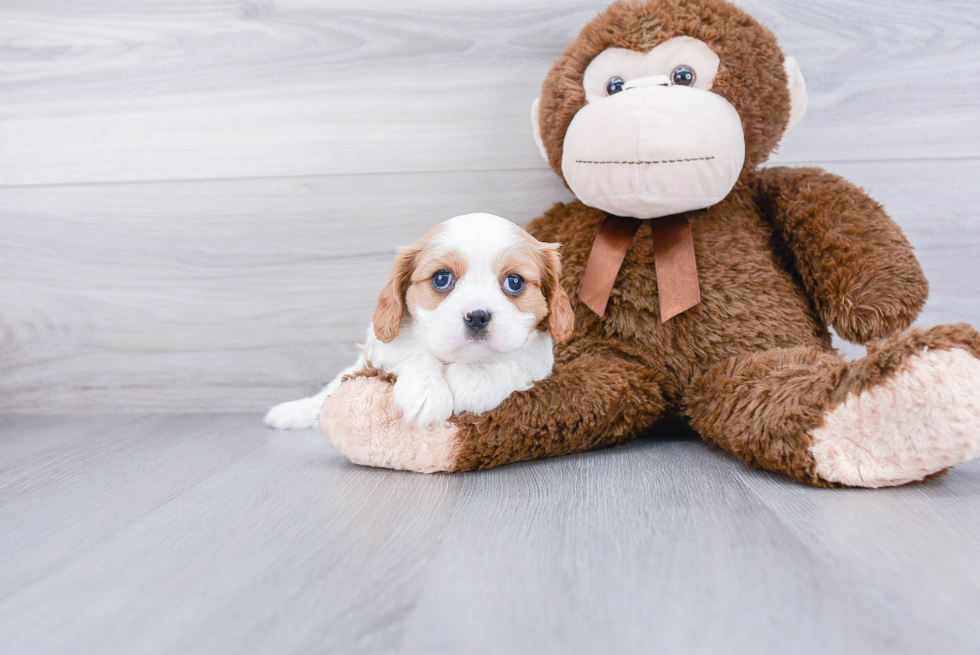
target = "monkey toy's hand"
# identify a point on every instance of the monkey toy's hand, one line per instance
(591, 399)
(362, 421)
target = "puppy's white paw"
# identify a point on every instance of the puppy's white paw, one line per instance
(424, 400)
(294, 415)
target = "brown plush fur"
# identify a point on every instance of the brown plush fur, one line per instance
(787, 253)
(810, 211)
(623, 372)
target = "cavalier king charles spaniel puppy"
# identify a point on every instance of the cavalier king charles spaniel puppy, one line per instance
(469, 316)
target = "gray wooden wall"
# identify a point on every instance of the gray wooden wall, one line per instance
(199, 199)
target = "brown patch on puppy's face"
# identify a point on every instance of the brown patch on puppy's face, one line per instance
(539, 264)
(477, 286)
(431, 261)
(391, 308)
(561, 317)
(524, 263)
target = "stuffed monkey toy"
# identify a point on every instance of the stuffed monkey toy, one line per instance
(703, 285)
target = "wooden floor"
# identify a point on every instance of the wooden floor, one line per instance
(210, 534)
(199, 201)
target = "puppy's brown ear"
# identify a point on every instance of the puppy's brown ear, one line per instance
(561, 319)
(391, 303)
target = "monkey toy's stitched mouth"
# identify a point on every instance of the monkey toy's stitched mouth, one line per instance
(634, 163)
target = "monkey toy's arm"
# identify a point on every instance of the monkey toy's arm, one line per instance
(853, 259)
(591, 399)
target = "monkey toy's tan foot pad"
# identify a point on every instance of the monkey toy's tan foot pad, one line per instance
(922, 419)
(361, 421)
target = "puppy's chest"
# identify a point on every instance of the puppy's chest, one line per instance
(478, 388)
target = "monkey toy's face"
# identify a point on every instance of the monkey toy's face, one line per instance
(651, 137)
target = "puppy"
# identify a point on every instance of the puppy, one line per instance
(469, 316)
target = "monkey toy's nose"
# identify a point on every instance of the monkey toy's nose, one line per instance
(477, 320)
(653, 80)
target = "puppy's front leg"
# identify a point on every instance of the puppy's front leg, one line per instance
(421, 392)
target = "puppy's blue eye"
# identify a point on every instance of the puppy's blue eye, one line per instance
(442, 280)
(513, 283)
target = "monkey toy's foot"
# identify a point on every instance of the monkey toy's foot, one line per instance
(361, 421)
(911, 409)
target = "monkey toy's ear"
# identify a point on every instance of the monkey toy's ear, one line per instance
(536, 126)
(797, 93)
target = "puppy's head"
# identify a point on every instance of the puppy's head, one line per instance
(474, 287)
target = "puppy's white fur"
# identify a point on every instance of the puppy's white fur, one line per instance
(442, 366)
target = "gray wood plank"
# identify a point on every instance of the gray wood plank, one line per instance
(26, 438)
(233, 295)
(70, 496)
(210, 534)
(210, 296)
(651, 548)
(109, 91)
(863, 61)
(285, 544)
(914, 549)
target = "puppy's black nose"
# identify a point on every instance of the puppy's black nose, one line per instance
(477, 320)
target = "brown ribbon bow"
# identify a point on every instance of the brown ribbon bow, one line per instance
(673, 258)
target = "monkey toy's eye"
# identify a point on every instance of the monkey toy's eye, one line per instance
(513, 284)
(683, 75)
(442, 280)
(614, 85)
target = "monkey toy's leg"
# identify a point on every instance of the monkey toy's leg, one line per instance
(908, 410)
(590, 400)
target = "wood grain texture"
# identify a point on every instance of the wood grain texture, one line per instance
(889, 544)
(209, 534)
(100, 91)
(651, 548)
(199, 200)
(233, 295)
(211, 295)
